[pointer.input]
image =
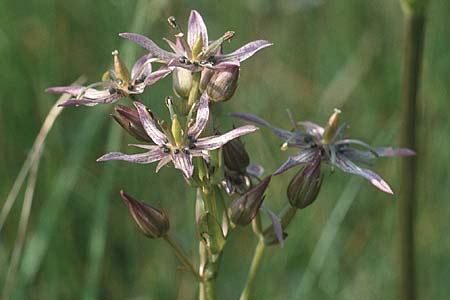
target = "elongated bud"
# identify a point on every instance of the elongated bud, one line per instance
(305, 185)
(181, 82)
(244, 209)
(129, 120)
(223, 84)
(235, 156)
(120, 70)
(332, 126)
(152, 222)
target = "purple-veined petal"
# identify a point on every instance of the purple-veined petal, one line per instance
(201, 118)
(388, 151)
(196, 28)
(312, 128)
(295, 138)
(217, 141)
(149, 45)
(142, 68)
(176, 47)
(245, 51)
(348, 166)
(144, 146)
(157, 75)
(157, 136)
(92, 102)
(141, 158)
(73, 90)
(183, 162)
(304, 156)
(360, 156)
(355, 142)
(255, 170)
(200, 153)
(164, 161)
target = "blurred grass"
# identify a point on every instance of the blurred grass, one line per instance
(53, 42)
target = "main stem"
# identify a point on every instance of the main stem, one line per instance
(414, 38)
(254, 267)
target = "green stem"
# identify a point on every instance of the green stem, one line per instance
(193, 94)
(414, 40)
(181, 256)
(254, 267)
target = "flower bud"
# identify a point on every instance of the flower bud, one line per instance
(235, 156)
(205, 78)
(244, 209)
(129, 120)
(305, 185)
(152, 222)
(181, 82)
(223, 84)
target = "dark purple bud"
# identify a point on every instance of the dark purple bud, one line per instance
(181, 82)
(235, 156)
(244, 209)
(152, 222)
(223, 84)
(129, 120)
(305, 185)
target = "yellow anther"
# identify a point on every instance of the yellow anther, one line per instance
(284, 146)
(177, 131)
(120, 70)
(198, 47)
(332, 126)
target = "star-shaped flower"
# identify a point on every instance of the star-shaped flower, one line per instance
(326, 143)
(178, 144)
(197, 52)
(116, 84)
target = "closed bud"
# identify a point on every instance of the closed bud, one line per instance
(152, 222)
(244, 209)
(235, 156)
(223, 84)
(305, 185)
(205, 78)
(129, 120)
(181, 82)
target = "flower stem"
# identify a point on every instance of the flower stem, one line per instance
(181, 255)
(193, 94)
(254, 267)
(412, 60)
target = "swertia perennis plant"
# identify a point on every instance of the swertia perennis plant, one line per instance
(230, 190)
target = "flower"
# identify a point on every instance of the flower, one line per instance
(178, 144)
(116, 84)
(197, 52)
(327, 143)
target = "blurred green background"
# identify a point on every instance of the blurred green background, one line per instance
(81, 243)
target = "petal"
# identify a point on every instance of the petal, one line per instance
(73, 90)
(183, 162)
(214, 142)
(196, 28)
(149, 45)
(164, 161)
(141, 67)
(276, 223)
(201, 118)
(296, 138)
(92, 102)
(304, 156)
(157, 75)
(348, 166)
(312, 128)
(245, 51)
(255, 170)
(177, 48)
(141, 158)
(388, 151)
(157, 136)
